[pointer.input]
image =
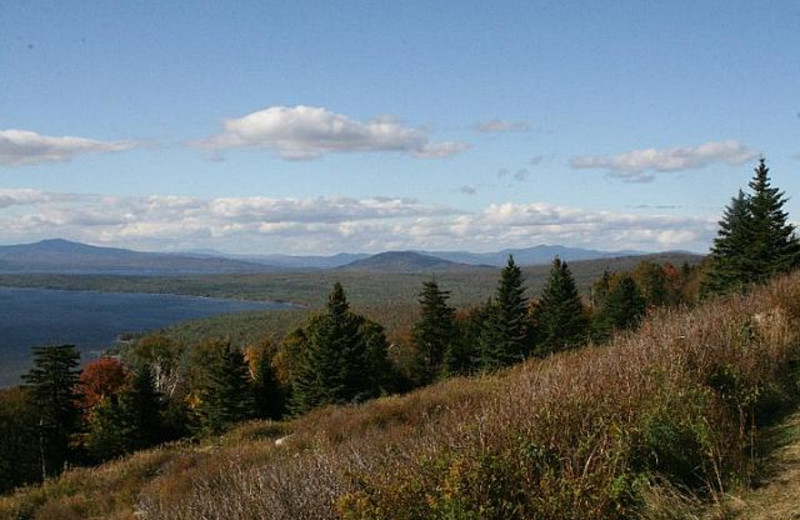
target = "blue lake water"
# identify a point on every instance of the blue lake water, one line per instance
(91, 320)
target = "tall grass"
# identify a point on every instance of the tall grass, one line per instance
(629, 430)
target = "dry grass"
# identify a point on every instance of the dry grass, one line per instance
(631, 430)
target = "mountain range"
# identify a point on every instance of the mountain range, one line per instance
(63, 256)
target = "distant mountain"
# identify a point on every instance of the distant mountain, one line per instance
(63, 256)
(404, 262)
(537, 255)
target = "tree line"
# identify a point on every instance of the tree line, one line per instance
(160, 390)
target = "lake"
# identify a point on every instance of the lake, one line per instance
(91, 320)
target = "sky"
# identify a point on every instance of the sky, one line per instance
(363, 126)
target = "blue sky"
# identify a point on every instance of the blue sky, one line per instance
(319, 127)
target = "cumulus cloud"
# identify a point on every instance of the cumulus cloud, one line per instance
(497, 125)
(21, 147)
(304, 132)
(641, 165)
(333, 224)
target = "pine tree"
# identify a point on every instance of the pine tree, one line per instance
(774, 248)
(53, 383)
(343, 357)
(623, 308)
(463, 355)
(143, 408)
(434, 333)
(505, 339)
(560, 315)
(755, 241)
(730, 264)
(226, 397)
(600, 290)
(19, 443)
(270, 402)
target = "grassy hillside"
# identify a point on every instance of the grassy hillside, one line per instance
(651, 426)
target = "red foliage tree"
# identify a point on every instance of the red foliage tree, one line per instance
(101, 379)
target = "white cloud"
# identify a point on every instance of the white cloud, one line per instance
(303, 132)
(497, 125)
(21, 147)
(640, 165)
(332, 224)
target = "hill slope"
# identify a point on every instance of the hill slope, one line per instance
(601, 433)
(63, 256)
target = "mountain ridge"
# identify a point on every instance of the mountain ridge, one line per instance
(62, 256)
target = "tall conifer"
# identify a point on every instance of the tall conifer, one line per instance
(434, 332)
(342, 357)
(755, 240)
(53, 387)
(560, 314)
(505, 338)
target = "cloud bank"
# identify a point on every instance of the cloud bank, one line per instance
(641, 165)
(327, 225)
(304, 132)
(22, 147)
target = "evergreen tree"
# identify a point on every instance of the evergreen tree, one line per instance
(52, 384)
(505, 339)
(560, 315)
(226, 397)
(774, 248)
(755, 241)
(463, 355)
(19, 444)
(730, 264)
(600, 290)
(107, 430)
(268, 395)
(623, 308)
(343, 357)
(434, 333)
(143, 408)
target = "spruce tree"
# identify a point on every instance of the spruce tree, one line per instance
(143, 408)
(463, 355)
(623, 308)
(226, 396)
(774, 248)
(53, 388)
(267, 392)
(560, 315)
(505, 339)
(731, 265)
(434, 333)
(755, 240)
(342, 359)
